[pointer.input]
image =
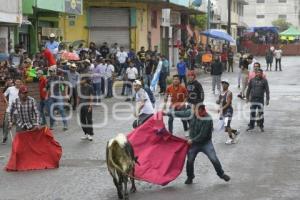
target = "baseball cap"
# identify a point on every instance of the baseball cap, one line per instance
(52, 35)
(137, 82)
(23, 89)
(27, 60)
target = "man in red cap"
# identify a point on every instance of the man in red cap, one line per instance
(27, 117)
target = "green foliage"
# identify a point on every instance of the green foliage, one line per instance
(282, 24)
(199, 21)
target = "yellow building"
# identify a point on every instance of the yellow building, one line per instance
(122, 22)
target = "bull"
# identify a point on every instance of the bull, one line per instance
(120, 162)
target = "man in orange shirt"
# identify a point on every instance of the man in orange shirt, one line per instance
(178, 94)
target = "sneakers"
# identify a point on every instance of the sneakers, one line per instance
(65, 128)
(188, 181)
(250, 128)
(225, 177)
(85, 137)
(90, 138)
(4, 140)
(262, 129)
(229, 141)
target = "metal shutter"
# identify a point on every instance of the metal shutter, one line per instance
(110, 25)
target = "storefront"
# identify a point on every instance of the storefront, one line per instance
(111, 25)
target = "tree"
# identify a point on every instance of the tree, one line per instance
(199, 21)
(282, 24)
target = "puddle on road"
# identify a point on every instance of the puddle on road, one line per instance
(82, 163)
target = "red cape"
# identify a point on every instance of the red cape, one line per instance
(161, 156)
(34, 150)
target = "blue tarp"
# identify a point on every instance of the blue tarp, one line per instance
(263, 28)
(218, 34)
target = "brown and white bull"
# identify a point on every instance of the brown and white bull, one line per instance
(120, 163)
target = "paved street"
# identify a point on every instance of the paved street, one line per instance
(263, 166)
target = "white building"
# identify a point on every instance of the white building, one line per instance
(219, 17)
(264, 12)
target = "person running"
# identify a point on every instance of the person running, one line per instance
(257, 89)
(10, 95)
(216, 73)
(226, 112)
(144, 108)
(27, 117)
(200, 140)
(181, 70)
(86, 108)
(178, 94)
(278, 56)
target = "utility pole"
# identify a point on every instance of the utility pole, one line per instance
(229, 17)
(208, 19)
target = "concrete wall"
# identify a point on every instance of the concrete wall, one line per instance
(155, 32)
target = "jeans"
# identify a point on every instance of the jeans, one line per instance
(216, 81)
(230, 65)
(122, 69)
(239, 77)
(43, 106)
(209, 150)
(5, 125)
(86, 120)
(59, 103)
(102, 85)
(109, 87)
(163, 81)
(171, 119)
(97, 90)
(128, 87)
(74, 97)
(182, 78)
(147, 79)
(278, 62)
(260, 119)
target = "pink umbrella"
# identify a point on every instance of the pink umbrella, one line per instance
(70, 56)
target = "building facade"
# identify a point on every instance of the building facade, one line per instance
(10, 19)
(264, 12)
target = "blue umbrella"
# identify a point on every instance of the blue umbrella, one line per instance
(218, 34)
(3, 57)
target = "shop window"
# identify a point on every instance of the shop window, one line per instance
(260, 16)
(154, 19)
(282, 16)
(260, 1)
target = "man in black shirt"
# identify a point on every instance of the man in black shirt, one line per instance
(104, 50)
(216, 73)
(85, 105)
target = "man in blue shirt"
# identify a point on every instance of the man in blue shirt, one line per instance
(52, 45)
(181, 69)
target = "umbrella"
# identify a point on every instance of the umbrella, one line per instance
(70, 56)
(292, 31)
(218, 34)
(3, 57)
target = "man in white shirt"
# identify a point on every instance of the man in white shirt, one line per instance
(122, 58)
(251, 62)
(11, 93)
(109, 72)
(144, 108)
(102, 67)
(278, 56)
(131, 76)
